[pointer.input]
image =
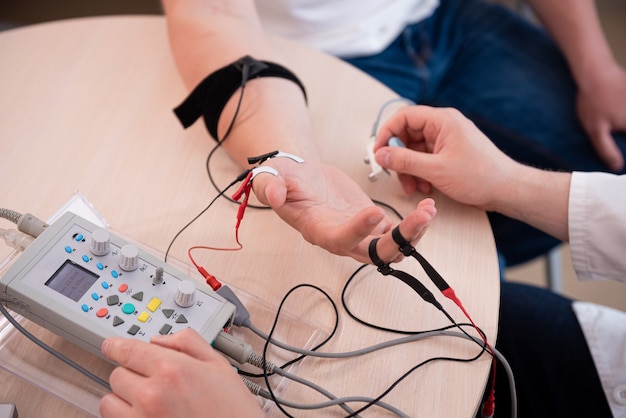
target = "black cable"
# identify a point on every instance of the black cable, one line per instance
(266, 375)
(408, 250)
(239, 178)
(273, 329)
(411, 370)
(381, 328)
(388, 206)
(406, 374)
(215, 185)
(220, 142)
(317, 347)
(386, 270)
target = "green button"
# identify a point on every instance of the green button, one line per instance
(128, 308)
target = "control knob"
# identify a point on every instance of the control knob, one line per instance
(100, 242)
(185, 294)
(129, 257)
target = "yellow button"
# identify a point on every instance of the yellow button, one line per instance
(144, 316)
(154, 304)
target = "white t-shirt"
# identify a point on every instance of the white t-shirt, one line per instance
(597, 235)
(343, 27)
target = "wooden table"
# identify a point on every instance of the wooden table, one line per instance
(86, 106)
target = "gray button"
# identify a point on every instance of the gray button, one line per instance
(134, 329)
(117, 321)
(165, 329)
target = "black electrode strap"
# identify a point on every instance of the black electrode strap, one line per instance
(211, 95)
(408, 250)
(405, 246)
(386, 270)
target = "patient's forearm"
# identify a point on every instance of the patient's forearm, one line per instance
(207, 35)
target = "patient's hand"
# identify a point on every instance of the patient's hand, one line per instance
(330, 210)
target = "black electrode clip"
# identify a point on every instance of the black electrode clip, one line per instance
(260, 159)
(385, 269)
(264, 157)
(409, 251)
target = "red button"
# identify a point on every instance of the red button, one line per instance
(123, 288)
(102, 312)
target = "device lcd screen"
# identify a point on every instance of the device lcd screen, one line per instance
(72, 280)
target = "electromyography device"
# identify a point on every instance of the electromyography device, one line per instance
(86, 284)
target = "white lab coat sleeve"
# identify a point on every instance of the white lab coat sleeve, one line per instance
(597, 226)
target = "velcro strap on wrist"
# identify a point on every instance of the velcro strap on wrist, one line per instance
(209, 97)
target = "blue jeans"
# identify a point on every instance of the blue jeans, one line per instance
(507, 76)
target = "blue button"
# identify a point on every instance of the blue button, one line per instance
(128, 308)
(86, 258)
(79, 237)
(95, 296)
(85, 307)
(105, 285)
(100, 266)
(68, 249)
(115, 274)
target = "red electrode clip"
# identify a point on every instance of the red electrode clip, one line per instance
(244, 191)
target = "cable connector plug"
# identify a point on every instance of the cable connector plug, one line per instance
(233, 347)
(252, 387)
(259, 362)
(242, 316)
(210, 279)
(31, 225)
(489, 407)
(240, 351)
(16, 239)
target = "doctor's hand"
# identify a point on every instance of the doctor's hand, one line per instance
(453, 156)
(330, 210)
(178, 375)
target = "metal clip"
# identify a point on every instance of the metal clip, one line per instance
(261, 169)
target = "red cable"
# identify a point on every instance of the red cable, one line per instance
(244, 190)
(490, 404)
(210, 279)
